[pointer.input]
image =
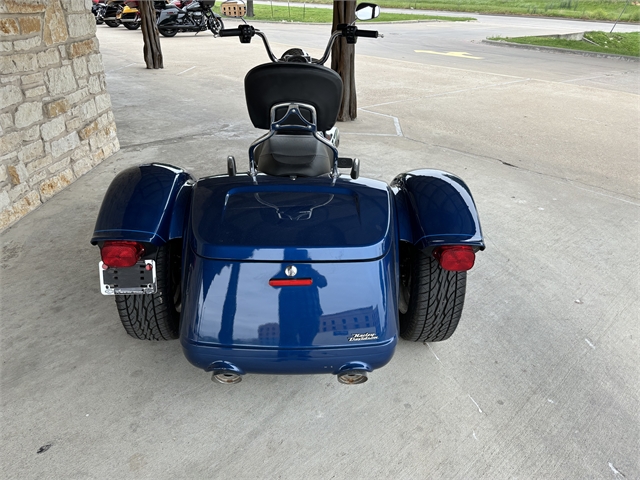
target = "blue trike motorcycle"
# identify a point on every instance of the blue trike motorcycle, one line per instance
(294, 267)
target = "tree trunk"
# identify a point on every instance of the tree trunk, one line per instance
(249, 8)
(342, 60)
(152, 51)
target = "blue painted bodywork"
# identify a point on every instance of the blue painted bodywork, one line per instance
(237, 317)
(147, 204)
(436, 208)
(341, 236)
(238, 234)
(231, 218)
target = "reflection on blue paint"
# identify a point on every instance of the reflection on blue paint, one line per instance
(439, 209)
(232, 218)
(141, 204)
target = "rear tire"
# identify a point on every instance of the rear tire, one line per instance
(112, 23)
(431, 298)
(168, 32)
(155, 316)
(132, 25)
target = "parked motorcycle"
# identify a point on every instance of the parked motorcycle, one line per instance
(293, 267)
(194, 17)
(98, 9)
(130, 16)
(111, 12)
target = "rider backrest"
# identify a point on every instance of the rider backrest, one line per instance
(274, 83)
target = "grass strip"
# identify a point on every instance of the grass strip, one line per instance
(580, 9)
(325, 15)
(601, 42)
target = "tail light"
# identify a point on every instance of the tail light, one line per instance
(291, 282)
(456, 258)
(121, 253)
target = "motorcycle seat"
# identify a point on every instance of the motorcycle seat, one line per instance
(290, 154)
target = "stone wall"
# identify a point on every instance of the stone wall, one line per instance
(56, 121)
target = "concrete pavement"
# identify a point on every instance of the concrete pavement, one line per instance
(541, 379)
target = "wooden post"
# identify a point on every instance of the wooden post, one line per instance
(152, 51)
(342, 60)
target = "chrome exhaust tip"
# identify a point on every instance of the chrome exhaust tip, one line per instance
(353, 377)
(225, 372)
(226, 377)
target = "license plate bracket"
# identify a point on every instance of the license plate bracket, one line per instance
(137, 280)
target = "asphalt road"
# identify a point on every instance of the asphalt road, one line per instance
(541, 379)
(452, 44)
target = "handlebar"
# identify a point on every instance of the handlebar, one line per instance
(246, 32)
(349, 32)
(230, 32)
(368, 33)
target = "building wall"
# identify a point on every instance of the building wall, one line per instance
(56, 121)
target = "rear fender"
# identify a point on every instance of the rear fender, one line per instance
(436, 208)
(148, 204)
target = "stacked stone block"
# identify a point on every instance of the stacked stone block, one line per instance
(56, 121)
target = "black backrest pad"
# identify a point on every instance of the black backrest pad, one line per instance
(272, 83)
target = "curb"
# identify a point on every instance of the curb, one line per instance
(562, 50)
(370, 23)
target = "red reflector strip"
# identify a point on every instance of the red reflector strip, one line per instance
(293, 282)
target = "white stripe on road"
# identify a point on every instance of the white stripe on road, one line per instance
(185, 71)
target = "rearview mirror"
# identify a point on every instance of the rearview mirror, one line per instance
(366, 11)
(233, 9)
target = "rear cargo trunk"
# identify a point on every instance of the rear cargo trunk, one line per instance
(290, 276)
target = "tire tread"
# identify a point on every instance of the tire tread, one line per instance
(151, 316)
(436, 301)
